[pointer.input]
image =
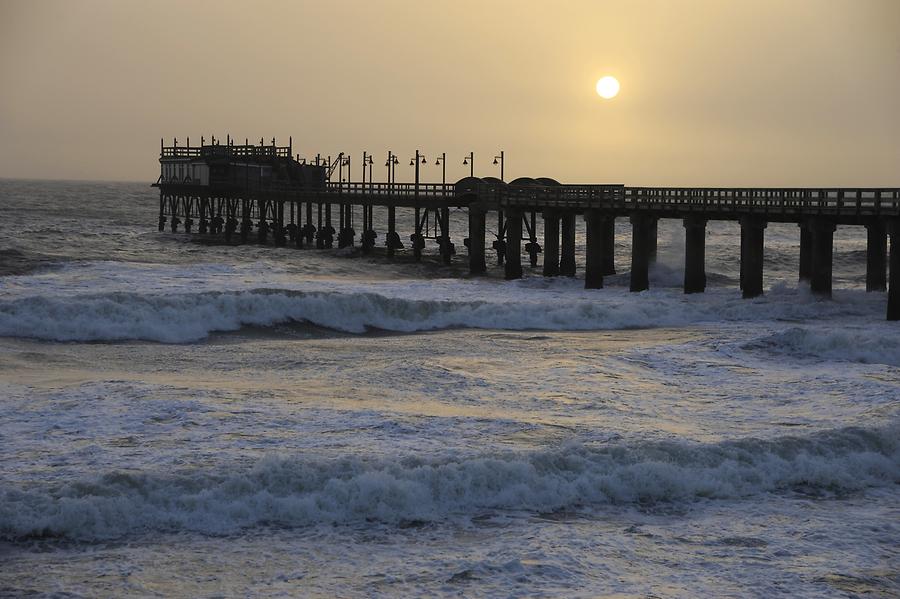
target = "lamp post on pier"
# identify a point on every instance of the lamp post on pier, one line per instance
(393, 240)
(470, 160)
(447, 249)
(417, 239)
(419, 159)
(501, 229)
(368, 234)
(340, 163)
(391, 165)
(442, 162)
(346, 234)
(366, 163)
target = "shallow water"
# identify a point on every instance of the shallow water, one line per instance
(181, 419)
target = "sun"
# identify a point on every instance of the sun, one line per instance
(608, 87)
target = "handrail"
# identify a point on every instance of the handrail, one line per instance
(865, 201)
(228, 151)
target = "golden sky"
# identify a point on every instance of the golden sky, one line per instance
(714, 92)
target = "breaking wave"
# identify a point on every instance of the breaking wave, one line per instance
(186, 317)
(866, 346)
(301, 491)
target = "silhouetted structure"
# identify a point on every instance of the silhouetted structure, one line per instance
(231, 188)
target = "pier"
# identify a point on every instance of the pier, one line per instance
(267, 194)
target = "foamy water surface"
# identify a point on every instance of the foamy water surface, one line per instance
(181, 419)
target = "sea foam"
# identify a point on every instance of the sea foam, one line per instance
(866, 346)
(191, 316)
(305, 490)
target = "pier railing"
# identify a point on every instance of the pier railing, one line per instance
(825, 201)
(787, 202)
(407, 190)
(225, 152)
(780, 201)
(559, 196)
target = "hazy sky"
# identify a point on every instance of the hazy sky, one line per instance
(756, 92)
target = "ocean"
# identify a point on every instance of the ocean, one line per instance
(182, 418)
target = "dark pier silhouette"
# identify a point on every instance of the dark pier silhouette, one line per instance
(265, 192)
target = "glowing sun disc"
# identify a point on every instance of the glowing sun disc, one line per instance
(608, 87)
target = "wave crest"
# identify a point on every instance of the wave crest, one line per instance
(298, 491)
(181, 318)
(865, 346)
(187, 317)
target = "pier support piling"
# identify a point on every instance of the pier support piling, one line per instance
(299, 230)
(551, 243)
(328, 232)
(513, 267)
(876, 256)
(203, 225)
(280, 239)
(643, 237)
(246, 221)
(320, 240)
(608, 241)
(822, 231)
(229, 219)
(446, 246)
(501, 235)
(805, 252)
(694, 254)
(310, 228)
(188, 209)
(418, 241)
(262, 232)
(567, 257)
(893, 307)
(392, 237)
(752, 248)
(596, 225)
(477, 217)
(532, 247)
